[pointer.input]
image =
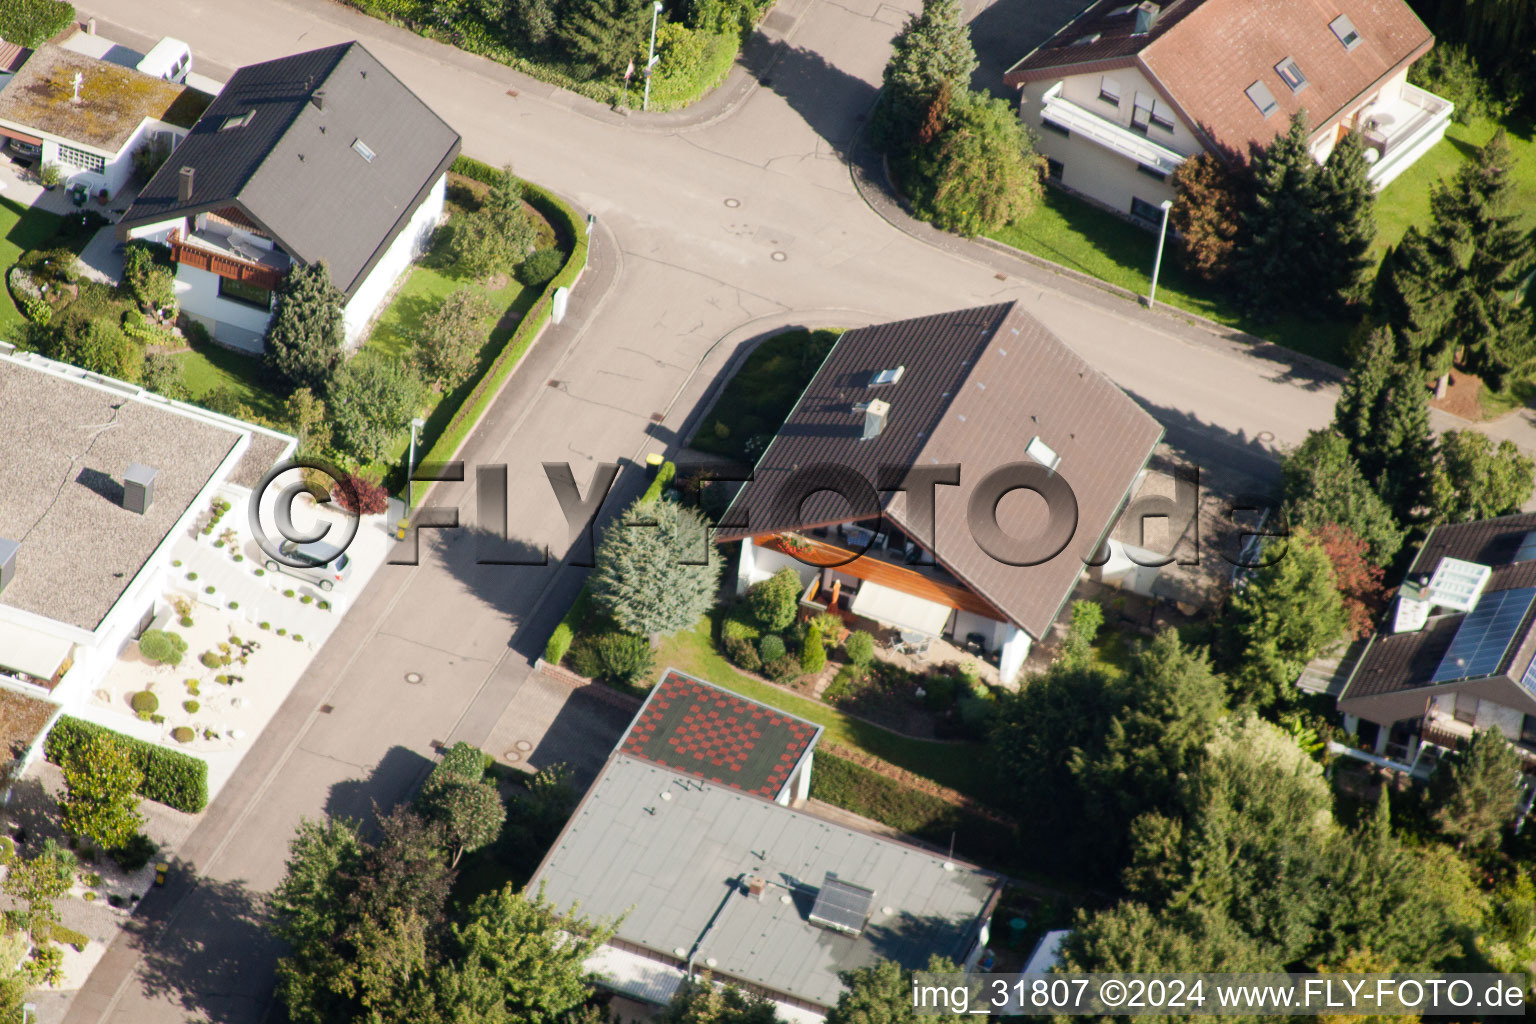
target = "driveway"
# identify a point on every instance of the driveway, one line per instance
(707, 235)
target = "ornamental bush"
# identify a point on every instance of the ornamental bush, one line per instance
(359, 496)
(145, 702)
(770, 647)
(30, 22)
(182, 734)
(775, 600)
(171, 778)
(860, 647)
(539, 268)
(191, 706)
(813, 656)
(559, 643)
(160, 646)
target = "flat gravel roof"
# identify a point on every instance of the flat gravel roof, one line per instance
(66, 446)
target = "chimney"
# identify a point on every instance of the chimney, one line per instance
(186, 184)
(1146, 17)
(875, 412)
(318, 99)
(756, 886)
(8, 549)
(139, 488)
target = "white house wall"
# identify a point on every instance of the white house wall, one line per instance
(118, 169)
(1087, 166)
(407, 246)
(231, 323)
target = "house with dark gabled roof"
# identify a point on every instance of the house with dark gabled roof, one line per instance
(1457, 651)
(696, 839)
(1125, 92)
(320, 156)
(949, 477)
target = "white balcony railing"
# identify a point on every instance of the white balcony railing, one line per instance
(1108, 134)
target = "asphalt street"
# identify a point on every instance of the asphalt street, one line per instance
(714, 227)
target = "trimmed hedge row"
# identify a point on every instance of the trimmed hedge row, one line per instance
(568, 230)
(867, 793)
(30, 22)
(171, 778)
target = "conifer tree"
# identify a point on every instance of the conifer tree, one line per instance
(1411, 298)
(932, 50)
(605, 35)
(304, 338)
(1346, 212)
(1277, 256)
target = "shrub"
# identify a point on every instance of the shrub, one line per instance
(30, 22)
(233, 605)
(559, 643)
(741, 653)
(736, 626)
(191, 576)
(1450, 71)
(844, 684)
(359, 496)
(191, 706)
(938, 692)
(7, 850)
(210, 659)
(298, 636)
(813, 656)
(71, 938)
(306, 599)
(976, 714)
(137, 852)
(782, 669)
(770, 647)
(159, 646)
(830, 626)
(185, 622)
(170, 777)
(775, 600)
(539, 268)
(182, 734)
(288, 593)
(620, 657)
(281, 631)
(264, 625)
(210, 589)
(144, 702)
(860, 647)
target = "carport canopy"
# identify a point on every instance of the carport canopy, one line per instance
(12, 133)
(904, 611)
(31, 652)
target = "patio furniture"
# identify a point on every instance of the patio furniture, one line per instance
(976, 643)
(78, 194)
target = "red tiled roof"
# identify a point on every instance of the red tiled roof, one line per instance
(701, 730)
(1204, 54)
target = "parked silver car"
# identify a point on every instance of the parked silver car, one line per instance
(325, 564)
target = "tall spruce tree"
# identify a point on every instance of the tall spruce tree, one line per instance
(1384, 412)
(1412, 298)
(605, 35)
(932, 50)
(1347, 215)
(1323, 485)
(1477, 790)
(305, 335)
(1281, 238)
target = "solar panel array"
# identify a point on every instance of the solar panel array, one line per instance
(842, 905)
(1485, 635)
(1529, 679)
(1527, 550)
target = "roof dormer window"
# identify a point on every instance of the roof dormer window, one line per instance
(1290, 73)
(362, 150)
(1262, 98)
(1345, 30)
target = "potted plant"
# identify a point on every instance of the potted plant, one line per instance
(50, 176)
(102, 197)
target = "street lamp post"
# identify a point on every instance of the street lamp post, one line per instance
(1157, 263)
(650, 60)
(410, 461)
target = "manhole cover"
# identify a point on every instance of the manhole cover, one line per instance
(413, 678)
(523, 745)
(779, 257)
(511, 756)
(732, 203)
(1266, 436)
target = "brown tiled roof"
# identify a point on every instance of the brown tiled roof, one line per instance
(1490, 542)
(12, 56)
(1204, 53)
(692, 727)
(978, 386)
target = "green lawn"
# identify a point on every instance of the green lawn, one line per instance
(211, 367)
(21, 228)
(757, 400)
(1075, 234)
(1406, 200)
(950, 764)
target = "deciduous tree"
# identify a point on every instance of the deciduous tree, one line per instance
(980, 172)
(1359, 580)
(656, 570)
(1323, 484)
(36, 883)
(471, 814)
(101, 800)
(881, 993)
(371, 404)
(1472, 479)
(701, 1001)
(1207, 214)
(1476, 790)
(451, 338)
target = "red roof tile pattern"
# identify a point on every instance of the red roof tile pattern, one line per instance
(1204, 54)
(712, 734)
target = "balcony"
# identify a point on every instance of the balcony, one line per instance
(1109, 134)
(220, 254)
(1398, 132)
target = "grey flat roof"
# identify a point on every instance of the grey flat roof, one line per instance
(674, 865)
(66, 446)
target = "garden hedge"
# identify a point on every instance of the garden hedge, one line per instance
(30, 22)
(171, 778)
(569, 230)
(867, 793)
